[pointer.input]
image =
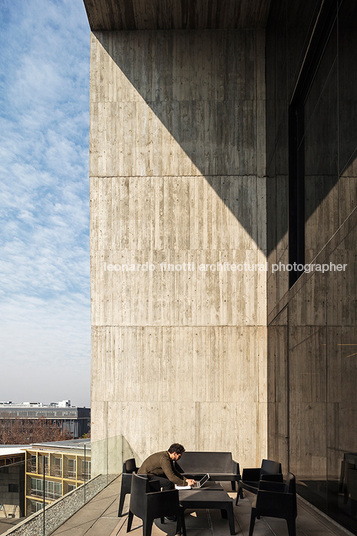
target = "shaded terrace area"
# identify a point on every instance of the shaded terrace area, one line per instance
(99, 517)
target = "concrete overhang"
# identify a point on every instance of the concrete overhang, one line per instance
(176, 14)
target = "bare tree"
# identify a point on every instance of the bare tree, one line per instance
(24, 431)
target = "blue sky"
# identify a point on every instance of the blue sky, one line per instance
(44, 201)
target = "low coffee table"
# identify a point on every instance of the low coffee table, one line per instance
(209, 498)
(209, 485)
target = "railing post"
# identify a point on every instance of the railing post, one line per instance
(44, 496)
(85, 466)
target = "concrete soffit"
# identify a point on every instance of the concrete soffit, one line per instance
(176, 14)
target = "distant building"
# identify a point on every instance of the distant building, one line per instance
(67, 466)
(69, 418)
(12, 481)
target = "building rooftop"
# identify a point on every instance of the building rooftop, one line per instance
(12, 450)
(70, 444)
(38, 407)
(10, 404)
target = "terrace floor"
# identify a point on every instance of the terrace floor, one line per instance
(99, 518)
(7, 524)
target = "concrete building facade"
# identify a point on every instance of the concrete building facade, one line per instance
(311, 205)
(177, 181)
(222, 142)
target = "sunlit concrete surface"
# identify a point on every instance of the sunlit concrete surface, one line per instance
(99, 518)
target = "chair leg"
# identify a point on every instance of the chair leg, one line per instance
(252, 521)
(291, 527)
(147, 526)
(121, 504)
(233, 484)
(239, 494)
(130, 521)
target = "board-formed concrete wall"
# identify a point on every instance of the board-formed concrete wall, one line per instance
(177, 173)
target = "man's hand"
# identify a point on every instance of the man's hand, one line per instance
(190, 481)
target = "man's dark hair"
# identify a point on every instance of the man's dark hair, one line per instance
(176, 447)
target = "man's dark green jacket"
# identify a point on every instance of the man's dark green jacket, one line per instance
(160, 464)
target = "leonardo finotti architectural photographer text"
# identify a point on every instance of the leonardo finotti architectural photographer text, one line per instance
(223, 267)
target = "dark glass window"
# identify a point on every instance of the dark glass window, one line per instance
(313, 145)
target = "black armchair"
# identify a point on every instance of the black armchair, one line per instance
(352, 489)
(276, 499)
(149, 505)
(129, 467)
(269, 470)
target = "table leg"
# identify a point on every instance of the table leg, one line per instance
(229, 511)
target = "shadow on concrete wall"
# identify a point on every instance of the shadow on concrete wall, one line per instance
(207, 89)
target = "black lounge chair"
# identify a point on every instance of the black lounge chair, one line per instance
(129, 467)
(149, 505)
(219, 465)
(276, 499)
(269, 470)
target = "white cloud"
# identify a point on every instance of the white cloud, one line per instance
(44, 265)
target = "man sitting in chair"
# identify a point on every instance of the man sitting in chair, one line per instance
(161, 467)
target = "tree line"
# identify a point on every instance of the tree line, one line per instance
(20, 431)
